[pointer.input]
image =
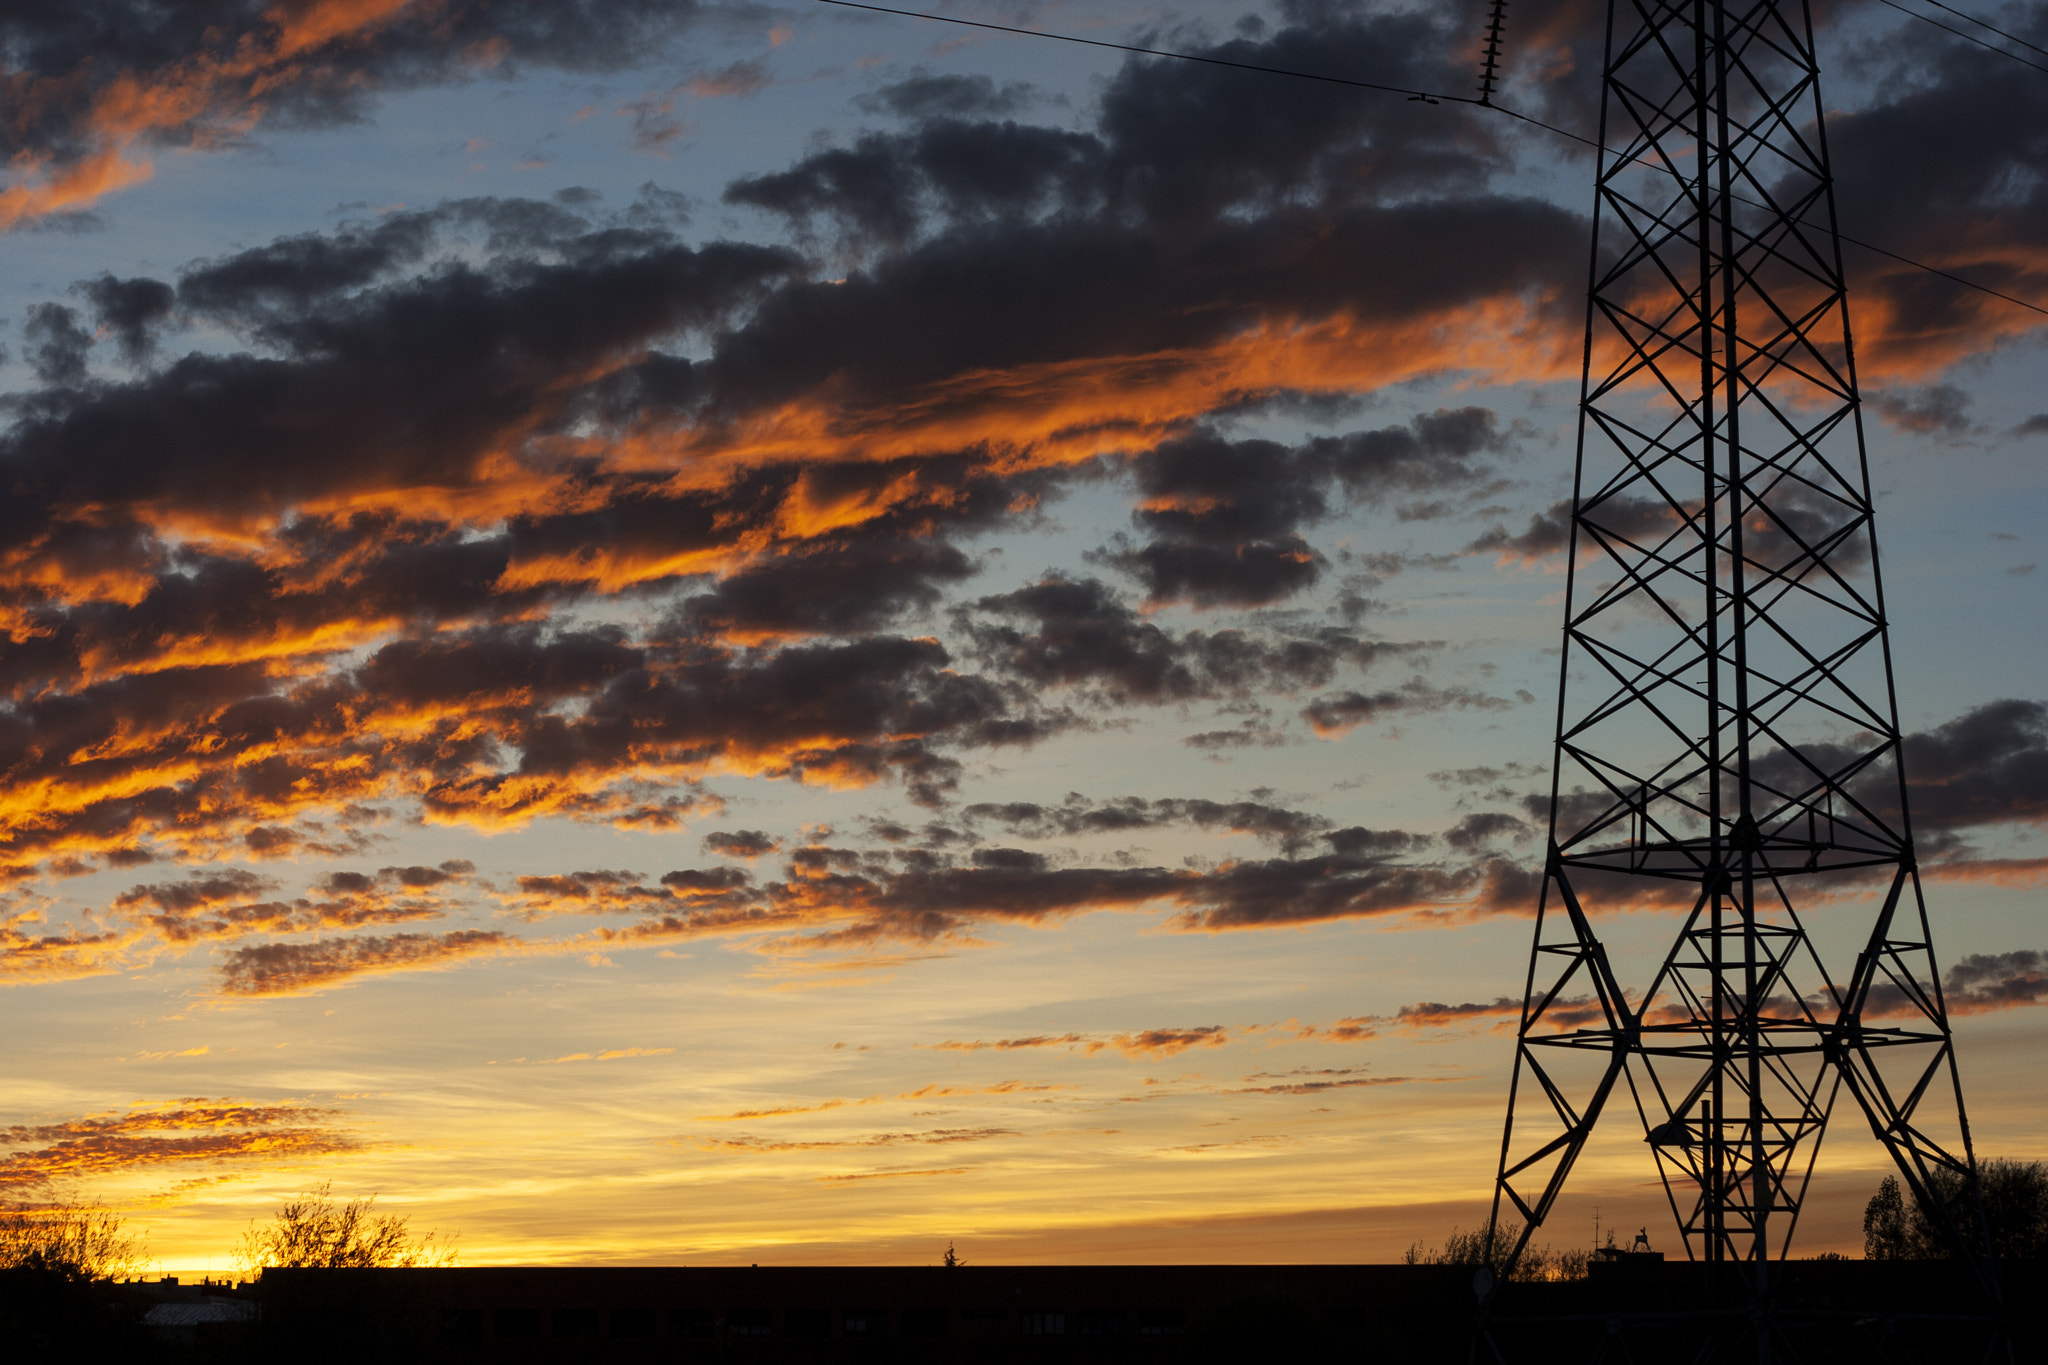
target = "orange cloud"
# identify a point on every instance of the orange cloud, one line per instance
(1006, 1044)
(936, 1091)
(1161, 1042)
(72, 187)
(2012, 872)
(1339, 1081)
(217, 906)
(294, 968)
(892, 1175)
(1146, 1043)
(204, 97)
(1430, 1014)
(67, 956)
(931, 1137)
(782, 1111)
(183, 1132)
(610, 1055)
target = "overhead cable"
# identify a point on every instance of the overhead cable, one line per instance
(1432, 97)
(1421, 95)
(1971, 37)
(2009, 37)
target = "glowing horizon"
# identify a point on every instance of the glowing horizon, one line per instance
(697, 636)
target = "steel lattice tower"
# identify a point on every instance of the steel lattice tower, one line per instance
(1728, 746)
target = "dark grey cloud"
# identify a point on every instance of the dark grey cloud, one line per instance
(422, 355)
(1977, 984)
(459, 359)
(56, 345)
(1796, 531)
(503, 722)
(1291, 830)
(229, 58)
(1985, 767)
(225, 904)
(886, 185)
(1082, 268)
(741, 843)
(1481, 828)
(1223, 519)
(841, 896)
(1188, 140)
(925, 97)
(1989, 981)
(285, 278)
(1175, 144)
(1091, 286)
(199, 890)
(1622, 520)
(1251, 734)
(842, 588)
(287, 968)
(1077, 632)
(1358, 841)
(134, 312)
(1948, 165)
(1283, 892)
(833, 710)
(1487, 776)
(1937, 410)
(1338, 712)
(1244, 575)
(1019, 886)
(703, 879)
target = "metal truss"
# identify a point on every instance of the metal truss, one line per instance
(1728, 748)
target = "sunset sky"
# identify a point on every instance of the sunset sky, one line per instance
(699, 634)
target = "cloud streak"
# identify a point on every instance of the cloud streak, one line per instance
(269, 969)
(182, 1133)
(94, 93)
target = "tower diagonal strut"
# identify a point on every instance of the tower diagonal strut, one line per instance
(1728, 753)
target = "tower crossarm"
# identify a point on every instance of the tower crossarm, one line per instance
(1728, 746)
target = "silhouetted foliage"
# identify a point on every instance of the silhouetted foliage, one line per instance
(2015, 1208)
(1885, 1233)
(316, 1231)
(75, 1241)
(1544, 1262)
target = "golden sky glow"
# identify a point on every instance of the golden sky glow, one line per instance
(672, 638)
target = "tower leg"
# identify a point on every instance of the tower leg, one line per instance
(1728, 747)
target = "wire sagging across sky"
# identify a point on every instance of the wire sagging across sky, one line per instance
(1439, 97)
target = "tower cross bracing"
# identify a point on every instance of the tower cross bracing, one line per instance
(1728, 747)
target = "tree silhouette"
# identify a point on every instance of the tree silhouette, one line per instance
(1470, 1249)
(2015, 1207)
(318, 1231)
(75, 1241)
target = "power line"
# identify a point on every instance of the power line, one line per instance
(2009, 37)
(1434, 97)
(1970, 37)
(1934, 270)
(1984, 24)
(1426, 96)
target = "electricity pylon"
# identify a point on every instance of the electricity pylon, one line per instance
(1728, 746)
